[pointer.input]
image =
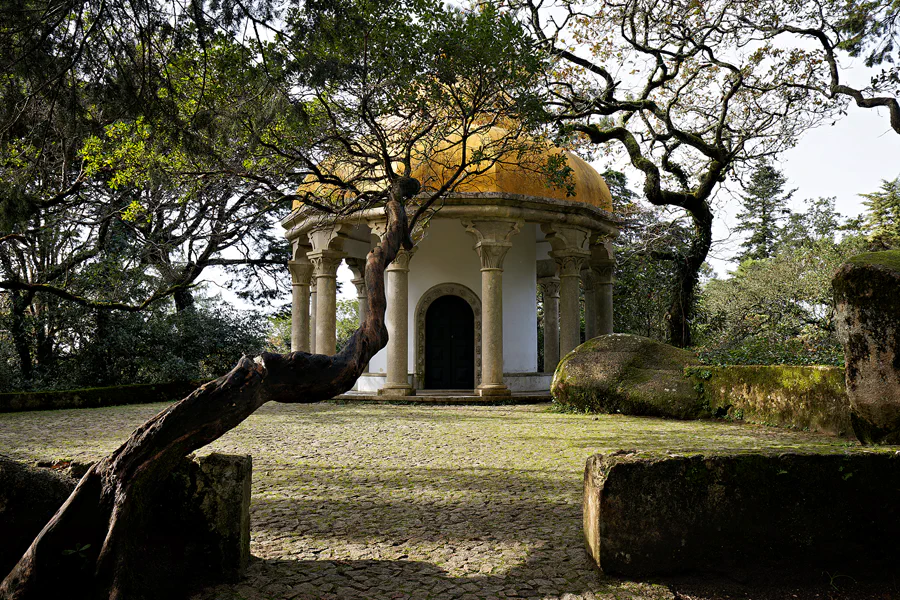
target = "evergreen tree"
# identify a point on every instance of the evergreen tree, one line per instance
(765, 206)
(882, 216)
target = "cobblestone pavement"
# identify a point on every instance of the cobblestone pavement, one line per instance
(393, 502)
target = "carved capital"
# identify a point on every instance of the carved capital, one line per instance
(325, 262)
(549, 286)
(492, 240)
(301, 272)
(401, 262)
(360, 284)
(603, 272)
(569, 262)
(492, 255)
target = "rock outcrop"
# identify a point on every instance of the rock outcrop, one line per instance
(867, 302)
(628, 374)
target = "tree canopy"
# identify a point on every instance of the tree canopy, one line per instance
(682, 90)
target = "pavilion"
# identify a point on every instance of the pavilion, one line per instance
(462, 306)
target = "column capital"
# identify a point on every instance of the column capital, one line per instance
(301, 272)
(569, 262)
(325, 262)
(603, 272)
(550, 286)
(358, 268)
(401, 261)
(492, 240)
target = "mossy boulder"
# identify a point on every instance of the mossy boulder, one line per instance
(867, 303)
(628, 374)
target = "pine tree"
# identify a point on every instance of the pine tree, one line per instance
(765, 206)
(882, 216)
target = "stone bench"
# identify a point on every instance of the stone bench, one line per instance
(743, 515)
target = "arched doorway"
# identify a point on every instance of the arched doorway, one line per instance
(449, 344)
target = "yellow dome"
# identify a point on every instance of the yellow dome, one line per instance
(506, 176)
(512, 177)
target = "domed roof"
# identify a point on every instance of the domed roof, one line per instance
(504, 176)
(509, 176)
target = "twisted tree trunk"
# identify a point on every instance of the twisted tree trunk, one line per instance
(93, 546)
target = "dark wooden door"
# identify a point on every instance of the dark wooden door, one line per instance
(449, 344)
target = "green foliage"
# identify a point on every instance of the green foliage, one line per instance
(646, 249)
(883, 215)
(347, 320)
(157, 346)
(779, 310)
(764, 207)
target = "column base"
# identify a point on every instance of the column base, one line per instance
(396, 391)
(492, 389)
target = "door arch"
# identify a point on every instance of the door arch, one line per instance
(449, 344)
(425, 301)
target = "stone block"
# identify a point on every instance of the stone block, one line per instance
(198, 528)
(204, 514)
(867, 308)
(29, 497)
(782, 516)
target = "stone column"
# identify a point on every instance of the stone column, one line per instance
(397, 282)
(589, 283)
(492, 242)
(569, 250)
(550, 292)
(604, 279)
(325, 265)
(358, 267)
(313, 300)
(301, 272)
(569, 309)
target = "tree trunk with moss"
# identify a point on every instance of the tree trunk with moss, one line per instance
(92, 547)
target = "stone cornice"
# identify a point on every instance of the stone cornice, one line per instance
(481, 206)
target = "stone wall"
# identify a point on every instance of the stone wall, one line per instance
(97, 397)
(808, 398)
(749, 515)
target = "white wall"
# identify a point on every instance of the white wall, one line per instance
(447, 255)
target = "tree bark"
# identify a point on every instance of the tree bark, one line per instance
(103, 517)
(20, 335)
(687, 277)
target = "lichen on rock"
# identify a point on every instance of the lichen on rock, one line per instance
(628, 374)
(867, 304)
